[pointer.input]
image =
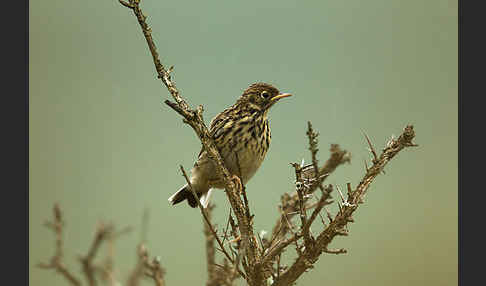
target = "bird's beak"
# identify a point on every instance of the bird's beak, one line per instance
(282, 95)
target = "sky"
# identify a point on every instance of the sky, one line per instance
(105, 147)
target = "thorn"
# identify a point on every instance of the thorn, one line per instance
(346, 204)
(329, 216)
(372, 149)
(350, 191)
(302, 163)
(340, 194)
(322, 220)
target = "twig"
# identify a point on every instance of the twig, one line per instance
(195, 120)
(210, 251)
(313, 148)
(335, 228)
(206, 218)
(290, 202)
(56, 261)
(107, 271)
(303, 214)
(279, 247)
(225, 236)
(102, 233)
(322, 202)
(144, 266)
(156, 272)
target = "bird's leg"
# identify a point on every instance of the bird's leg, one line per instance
(237, 181)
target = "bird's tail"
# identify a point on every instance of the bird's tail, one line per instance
(185, 194)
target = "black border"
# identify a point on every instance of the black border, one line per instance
(471, 63)
(472, 75)
(14, 138)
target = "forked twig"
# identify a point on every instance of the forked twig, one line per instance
(56, 261)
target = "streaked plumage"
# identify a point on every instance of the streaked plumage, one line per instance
(242, 135)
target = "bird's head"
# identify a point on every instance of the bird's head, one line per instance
(261, 96)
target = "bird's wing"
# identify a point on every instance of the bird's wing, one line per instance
(219, 121)
(216, 125)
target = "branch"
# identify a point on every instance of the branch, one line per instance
(218, 274)
(56, 261)
(210, 251)
(300, 188)
(195, 120)
(323, 201)
(205, 216)
(144, 266)
(313, 148)
(336, 226)
(290, 202)
(107, 269)
(102, 233)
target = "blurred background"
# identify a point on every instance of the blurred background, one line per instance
(104, 146)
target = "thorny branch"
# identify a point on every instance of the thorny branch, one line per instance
(218, 274)
(290, 204)
(195, 119)
(337, 225)
(257, 262)
(206, 216)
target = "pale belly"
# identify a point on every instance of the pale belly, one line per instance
(249, 164)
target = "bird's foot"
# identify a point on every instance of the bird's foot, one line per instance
(235, 240)
(237, 181)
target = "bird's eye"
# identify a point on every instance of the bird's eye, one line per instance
(265, 94)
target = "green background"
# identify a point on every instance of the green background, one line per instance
(104, 146)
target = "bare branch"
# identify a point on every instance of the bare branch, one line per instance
(56, 261)
(337, 225)
(308, 240)
(156, 272)
(313, 148)
(145, 267)
(290, 203)
(308, 179)
(322, 202)
(279, 247)
(102, 233)
(107, 269)
(205, 215)
(195, 120)
(210, 251)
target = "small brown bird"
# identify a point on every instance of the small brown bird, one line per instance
(242, 136)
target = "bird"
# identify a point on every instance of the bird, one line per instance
(242, 136)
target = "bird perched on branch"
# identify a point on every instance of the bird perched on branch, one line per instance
(242, 135)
